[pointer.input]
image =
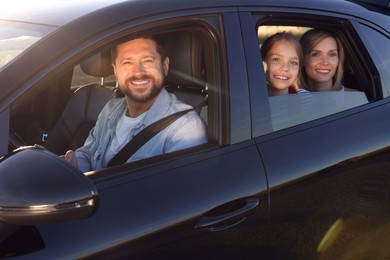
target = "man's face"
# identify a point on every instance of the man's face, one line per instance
(140, 70)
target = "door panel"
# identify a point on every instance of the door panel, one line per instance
(161, 204)
(329, 187)
(328, 178)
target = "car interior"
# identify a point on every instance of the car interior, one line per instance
(71, 126)
(59, 116)
(81, 112)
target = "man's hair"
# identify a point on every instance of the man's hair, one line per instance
(308, 41)
(156, 38)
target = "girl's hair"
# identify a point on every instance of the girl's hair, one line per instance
(308, 41)
(282, 36)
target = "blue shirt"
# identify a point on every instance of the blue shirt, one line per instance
(187, 131)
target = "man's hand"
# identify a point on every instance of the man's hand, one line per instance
(70, 156)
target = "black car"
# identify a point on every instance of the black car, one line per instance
(274, 181)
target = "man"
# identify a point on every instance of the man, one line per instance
(140, 66)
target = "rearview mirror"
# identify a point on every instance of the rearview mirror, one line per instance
(37, 186)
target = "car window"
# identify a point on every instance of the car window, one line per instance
(294, 109)
(16, 37)
(378, 46)
(265, 31)
(290, 110)
(64, 106)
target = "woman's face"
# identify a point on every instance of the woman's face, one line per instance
(321, 62)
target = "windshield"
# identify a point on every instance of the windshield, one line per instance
(16, 37)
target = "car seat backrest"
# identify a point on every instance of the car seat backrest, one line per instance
(185, 78)
(83, 108)
(99, 65)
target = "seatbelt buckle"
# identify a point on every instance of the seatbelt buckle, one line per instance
(44, 136)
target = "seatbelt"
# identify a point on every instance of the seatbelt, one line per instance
(146, 134)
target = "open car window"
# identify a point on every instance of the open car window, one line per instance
(294, 109)
(60, 111)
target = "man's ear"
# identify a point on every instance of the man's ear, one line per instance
(165, 66)
(114, 67)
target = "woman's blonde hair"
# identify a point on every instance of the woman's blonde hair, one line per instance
(308, 41)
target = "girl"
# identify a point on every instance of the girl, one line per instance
(282, 59)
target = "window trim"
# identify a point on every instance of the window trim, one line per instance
(350, 38)
(207, 24)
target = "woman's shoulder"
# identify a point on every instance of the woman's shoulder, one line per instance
(348, 89)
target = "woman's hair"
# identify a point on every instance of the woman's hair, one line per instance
(308, 41)
(282, 36)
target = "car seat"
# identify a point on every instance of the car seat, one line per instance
(186, 77)
(83, 108)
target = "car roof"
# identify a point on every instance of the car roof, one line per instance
(51, 12)
(60, 12)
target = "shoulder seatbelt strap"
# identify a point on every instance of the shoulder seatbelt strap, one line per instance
(145, 135)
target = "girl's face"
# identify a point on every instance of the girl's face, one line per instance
(282, 67)
(321, 62)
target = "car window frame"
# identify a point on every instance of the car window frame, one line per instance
(362, 27)
(4, 120)
(296, 18)
(209, 22)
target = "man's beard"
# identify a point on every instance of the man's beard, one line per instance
(154, 91)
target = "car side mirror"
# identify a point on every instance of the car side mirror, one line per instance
(37, 187)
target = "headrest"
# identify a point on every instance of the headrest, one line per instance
(99, 65)
(185, 59)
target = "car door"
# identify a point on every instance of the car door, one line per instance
(328, 175)
(174, 194)
(209, 201)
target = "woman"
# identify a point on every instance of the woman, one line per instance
(324, 61)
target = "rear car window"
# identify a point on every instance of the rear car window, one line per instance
(294, 109)
(378, 46)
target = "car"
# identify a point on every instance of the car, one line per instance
(279, 178)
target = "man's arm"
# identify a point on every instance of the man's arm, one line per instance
(70, 156)
(186, 132)
(84, 154)
(80, 158)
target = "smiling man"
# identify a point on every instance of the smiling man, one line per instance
(140, 66)
(140, 70)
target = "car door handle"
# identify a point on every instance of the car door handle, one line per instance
(229, 219)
